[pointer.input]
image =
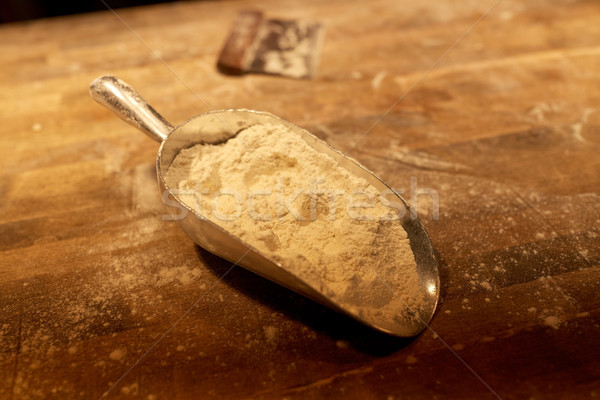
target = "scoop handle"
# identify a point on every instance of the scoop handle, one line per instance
(125, 102)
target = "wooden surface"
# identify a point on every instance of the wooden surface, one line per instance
(98, 294)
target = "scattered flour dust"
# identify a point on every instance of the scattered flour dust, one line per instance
(410, 359)
(117, 354)
(119, 291)
(458, 347)
(132, 389)
(298, 206)
(270, 333)
(182, 275)
(552, 321)
(553, 315)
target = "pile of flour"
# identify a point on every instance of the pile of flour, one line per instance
(300, 208)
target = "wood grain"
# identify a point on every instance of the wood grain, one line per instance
(98, 293)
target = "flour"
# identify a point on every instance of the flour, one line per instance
(299, 207)
(117, 354)
(552, 321)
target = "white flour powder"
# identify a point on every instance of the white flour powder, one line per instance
(301, 208)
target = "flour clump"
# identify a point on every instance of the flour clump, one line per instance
(302, 209)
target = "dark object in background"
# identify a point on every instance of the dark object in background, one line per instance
(234, 54)
(271, 46)
(18, 10)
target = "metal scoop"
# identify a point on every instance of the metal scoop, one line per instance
(218, 126)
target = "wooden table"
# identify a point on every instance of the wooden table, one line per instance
(99, 295)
